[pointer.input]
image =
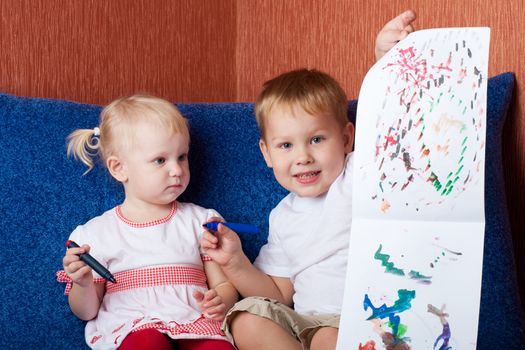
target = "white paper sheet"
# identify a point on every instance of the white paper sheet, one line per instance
(416, 247)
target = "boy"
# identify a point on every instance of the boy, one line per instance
(307, 140)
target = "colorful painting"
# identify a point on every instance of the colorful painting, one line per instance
(416, 247)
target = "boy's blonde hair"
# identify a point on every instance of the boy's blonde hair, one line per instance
(117, 127)
(312, 90)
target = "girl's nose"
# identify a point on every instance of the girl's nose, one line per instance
(175, 170)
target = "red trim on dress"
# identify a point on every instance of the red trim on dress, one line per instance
(157, 276)
(62, 277)
(148, 277)
(201, 326)
(148, 223)
(197, 277)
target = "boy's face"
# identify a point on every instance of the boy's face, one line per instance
(307, 152)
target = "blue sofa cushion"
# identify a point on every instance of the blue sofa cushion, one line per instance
(44, 197)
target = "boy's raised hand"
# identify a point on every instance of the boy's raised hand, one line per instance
(394, 31)
(222, 245)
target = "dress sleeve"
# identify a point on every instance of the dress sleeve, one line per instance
(78, 236)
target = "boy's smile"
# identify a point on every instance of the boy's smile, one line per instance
(307, 152)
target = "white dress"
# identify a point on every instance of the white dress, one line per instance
(157, 266)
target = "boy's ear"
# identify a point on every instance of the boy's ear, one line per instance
(116, 169)
(348, 134)
(264, 151)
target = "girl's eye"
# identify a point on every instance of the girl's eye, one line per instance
(183, 157)
(316, 139)
(160, 161)
(285, 145)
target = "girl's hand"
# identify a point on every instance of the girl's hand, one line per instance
(76, 269)
(211, 304)
(394, 31)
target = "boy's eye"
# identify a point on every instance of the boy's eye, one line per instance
(316, 139)
(183, 157)
(160, 161)
(285, 145)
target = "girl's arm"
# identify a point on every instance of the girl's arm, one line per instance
(218, 281)
(85, 300)
(85, 295)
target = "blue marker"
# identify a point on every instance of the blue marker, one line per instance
(240, 228)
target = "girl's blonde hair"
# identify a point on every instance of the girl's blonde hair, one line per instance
(312, 90)
(116, 127)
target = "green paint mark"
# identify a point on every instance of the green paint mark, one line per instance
(401, 329)
(418, 275)
(439, 97)
(459, 170)
(389, 266)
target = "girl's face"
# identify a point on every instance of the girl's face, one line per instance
(155, 165)
(307, 152)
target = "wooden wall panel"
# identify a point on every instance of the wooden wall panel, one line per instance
(96, 50)
(338, 37)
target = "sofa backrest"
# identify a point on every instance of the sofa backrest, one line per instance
(45, 196)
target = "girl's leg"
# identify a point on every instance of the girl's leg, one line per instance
(146, 339)
(203, 344)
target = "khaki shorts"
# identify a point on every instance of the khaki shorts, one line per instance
(302, 327)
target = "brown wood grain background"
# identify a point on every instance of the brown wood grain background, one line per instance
(223, 50)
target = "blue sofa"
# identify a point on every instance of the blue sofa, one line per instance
(45, 196)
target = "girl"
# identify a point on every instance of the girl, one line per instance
(150, 242)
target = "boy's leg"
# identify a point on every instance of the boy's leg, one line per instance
(255, 332)
(324, 338)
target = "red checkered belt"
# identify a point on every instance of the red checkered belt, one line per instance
(147, 277)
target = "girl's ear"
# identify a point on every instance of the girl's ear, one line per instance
(117, 169)
(348, 134)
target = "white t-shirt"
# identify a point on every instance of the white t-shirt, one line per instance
(308, 243)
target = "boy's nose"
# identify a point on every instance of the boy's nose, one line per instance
(304, 157)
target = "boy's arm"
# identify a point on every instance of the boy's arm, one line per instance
(394, 31)
(250, 281)
(225, 248)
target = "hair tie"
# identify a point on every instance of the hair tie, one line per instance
(96, 131)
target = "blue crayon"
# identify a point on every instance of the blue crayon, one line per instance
(239, 228)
